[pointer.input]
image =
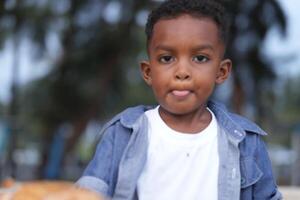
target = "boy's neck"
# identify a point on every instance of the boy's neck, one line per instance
(187, 123)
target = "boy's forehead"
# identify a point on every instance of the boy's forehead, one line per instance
(185, 28)
(184, 21)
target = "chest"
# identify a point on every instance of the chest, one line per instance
(180, 166)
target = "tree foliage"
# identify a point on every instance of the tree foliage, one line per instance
(288, 102)
(253, 72)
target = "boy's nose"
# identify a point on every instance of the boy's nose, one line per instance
(182, 76)
(182, 72)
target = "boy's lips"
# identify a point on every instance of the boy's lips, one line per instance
(181, 93)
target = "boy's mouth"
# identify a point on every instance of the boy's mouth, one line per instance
(181, 93)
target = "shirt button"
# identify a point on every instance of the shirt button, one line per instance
(238, 133)
(243, 180)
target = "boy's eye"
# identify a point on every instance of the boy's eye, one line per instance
(200, 59)
(166, 59)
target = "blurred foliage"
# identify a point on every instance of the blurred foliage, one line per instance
(96, 73)
(253, 73)
(288, 103)
(2, 111)
(285, 112)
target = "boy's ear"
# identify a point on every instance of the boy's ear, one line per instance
(146, 72)
(224, 71)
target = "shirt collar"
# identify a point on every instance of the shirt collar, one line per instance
(236, 124)
(233, 123)
(130, 116)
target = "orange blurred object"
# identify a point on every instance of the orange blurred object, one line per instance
(44, 190)
(7, 183)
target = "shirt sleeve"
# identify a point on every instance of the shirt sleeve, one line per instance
(266, 187)
(96, 175)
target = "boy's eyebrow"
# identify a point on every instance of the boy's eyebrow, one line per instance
(163, 47)
(203, 47)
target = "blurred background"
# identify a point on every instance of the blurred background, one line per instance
(67, 66)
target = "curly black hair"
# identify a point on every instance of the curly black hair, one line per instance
(169, 9)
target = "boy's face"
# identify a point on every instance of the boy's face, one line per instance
(185, 63)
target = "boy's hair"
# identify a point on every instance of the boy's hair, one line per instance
(169, 9)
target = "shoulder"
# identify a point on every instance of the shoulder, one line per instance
(128, 116)
(253, 140)
(239, 129)
(233, 121)
(125, 119)
(249, 126)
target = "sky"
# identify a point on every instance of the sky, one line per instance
(285, 52)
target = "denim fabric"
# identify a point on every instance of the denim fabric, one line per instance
(244, 172)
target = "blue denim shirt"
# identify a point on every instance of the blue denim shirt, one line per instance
(244, 171)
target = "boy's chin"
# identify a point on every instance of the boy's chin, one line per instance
(177, 110)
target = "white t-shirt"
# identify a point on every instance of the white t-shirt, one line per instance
(179, 166)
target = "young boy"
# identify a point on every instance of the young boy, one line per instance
(188, 147)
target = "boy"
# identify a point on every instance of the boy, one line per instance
(187, 147)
